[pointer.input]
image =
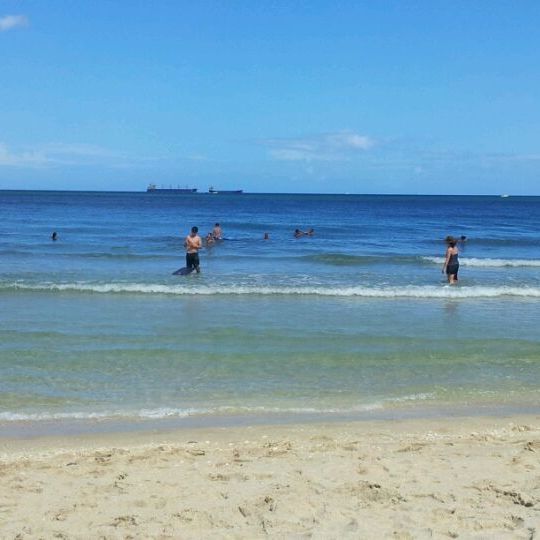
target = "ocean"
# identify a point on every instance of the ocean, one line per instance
(356, 321)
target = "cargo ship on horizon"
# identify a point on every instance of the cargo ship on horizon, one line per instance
(153, 188)
(225, 191)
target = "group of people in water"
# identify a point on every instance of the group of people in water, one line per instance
(216, 235)
(193, 244)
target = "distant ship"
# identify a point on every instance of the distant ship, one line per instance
(225, 191)
(152, 188)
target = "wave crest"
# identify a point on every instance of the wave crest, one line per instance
(488, 263)
(410, 291)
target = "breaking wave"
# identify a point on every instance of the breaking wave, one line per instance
(488, 263)
(410, 291)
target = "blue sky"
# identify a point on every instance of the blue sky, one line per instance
(331, 97)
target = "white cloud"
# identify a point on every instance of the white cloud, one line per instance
(62, 154)
(348, 140)
(76, 152)
(514, 157)
(12, 21)
(337, 146)
(30, 158)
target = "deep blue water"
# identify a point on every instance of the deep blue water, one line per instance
(356, 318)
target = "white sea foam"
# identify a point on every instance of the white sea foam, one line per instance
(488, 263)
(171, 412)
(168, 412)
(413, 397)
(144, 413)
(408, 291)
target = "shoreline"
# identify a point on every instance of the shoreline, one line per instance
(410, 478)
(70, 427)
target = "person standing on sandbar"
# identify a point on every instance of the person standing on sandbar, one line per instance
(193, 243)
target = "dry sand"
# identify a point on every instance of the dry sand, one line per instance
(457, 478)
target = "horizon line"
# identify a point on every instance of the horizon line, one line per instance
(202, 193)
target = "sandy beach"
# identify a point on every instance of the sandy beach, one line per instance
(451, 478)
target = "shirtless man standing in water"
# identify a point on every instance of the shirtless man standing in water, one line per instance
(193, 243)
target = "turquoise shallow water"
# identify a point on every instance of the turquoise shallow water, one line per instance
(353, 321)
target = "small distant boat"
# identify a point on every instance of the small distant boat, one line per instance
(225, 191)
(504, 195)
(153, 188)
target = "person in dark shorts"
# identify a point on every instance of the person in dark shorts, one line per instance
(193, 243)
(451, 260)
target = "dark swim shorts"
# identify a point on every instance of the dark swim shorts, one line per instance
(192, 260)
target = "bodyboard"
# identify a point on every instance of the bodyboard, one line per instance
(183, 271)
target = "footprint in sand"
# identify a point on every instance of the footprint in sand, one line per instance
(124, 520)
